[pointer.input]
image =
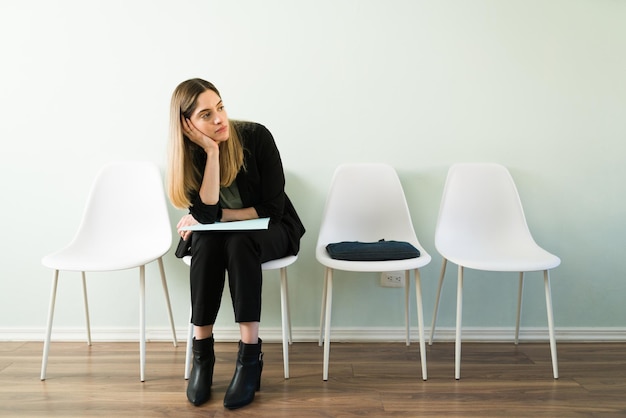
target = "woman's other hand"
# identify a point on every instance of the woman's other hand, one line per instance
(186, 220)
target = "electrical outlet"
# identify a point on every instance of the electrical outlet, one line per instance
(392, 279)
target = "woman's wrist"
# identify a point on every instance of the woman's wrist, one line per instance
(211, 150)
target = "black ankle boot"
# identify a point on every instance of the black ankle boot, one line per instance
(247, 378)
(201, 379)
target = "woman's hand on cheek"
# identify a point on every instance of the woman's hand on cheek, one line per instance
(198, 137)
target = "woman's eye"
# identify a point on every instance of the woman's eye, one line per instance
(205, 115)
(221, 108)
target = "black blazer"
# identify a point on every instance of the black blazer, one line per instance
(261, 183)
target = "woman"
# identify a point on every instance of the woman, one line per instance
(225, 170)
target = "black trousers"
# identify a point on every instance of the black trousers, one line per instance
(241, 254)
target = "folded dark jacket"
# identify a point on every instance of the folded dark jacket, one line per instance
(372, 251)
(184, 247)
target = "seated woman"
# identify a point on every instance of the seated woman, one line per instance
(225, 170)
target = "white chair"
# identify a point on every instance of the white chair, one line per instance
(279, 264)
(125, 225)
(366, 203)
(481, 226)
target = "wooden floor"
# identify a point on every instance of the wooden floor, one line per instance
(366, 380)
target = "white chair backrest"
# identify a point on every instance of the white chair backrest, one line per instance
(480, 211)
(127, 208)
(366, 202)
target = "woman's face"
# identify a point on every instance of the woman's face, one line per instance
(210, 116)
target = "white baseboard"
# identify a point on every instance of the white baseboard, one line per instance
(392, 334)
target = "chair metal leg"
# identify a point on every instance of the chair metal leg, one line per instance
(142, 322)
(520, 292)
(285, 321)
(328, 301)
(436, 309)
(420, 322)
(459, 316)
(87, 321)
(288, 311)
(323, 309)
(188, 350)
(167, 301)
(407, 322)
(46, 344)
(555, 364)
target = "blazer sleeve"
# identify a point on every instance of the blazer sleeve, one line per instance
(203, 213)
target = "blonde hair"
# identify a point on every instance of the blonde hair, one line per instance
(183, 177)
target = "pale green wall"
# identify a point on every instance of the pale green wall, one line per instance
(535, 85)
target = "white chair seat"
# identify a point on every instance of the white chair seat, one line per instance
(279, 263)
(83, 258)
(504, 259)
(374, 266)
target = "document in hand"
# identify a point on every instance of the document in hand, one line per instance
(248, 225)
